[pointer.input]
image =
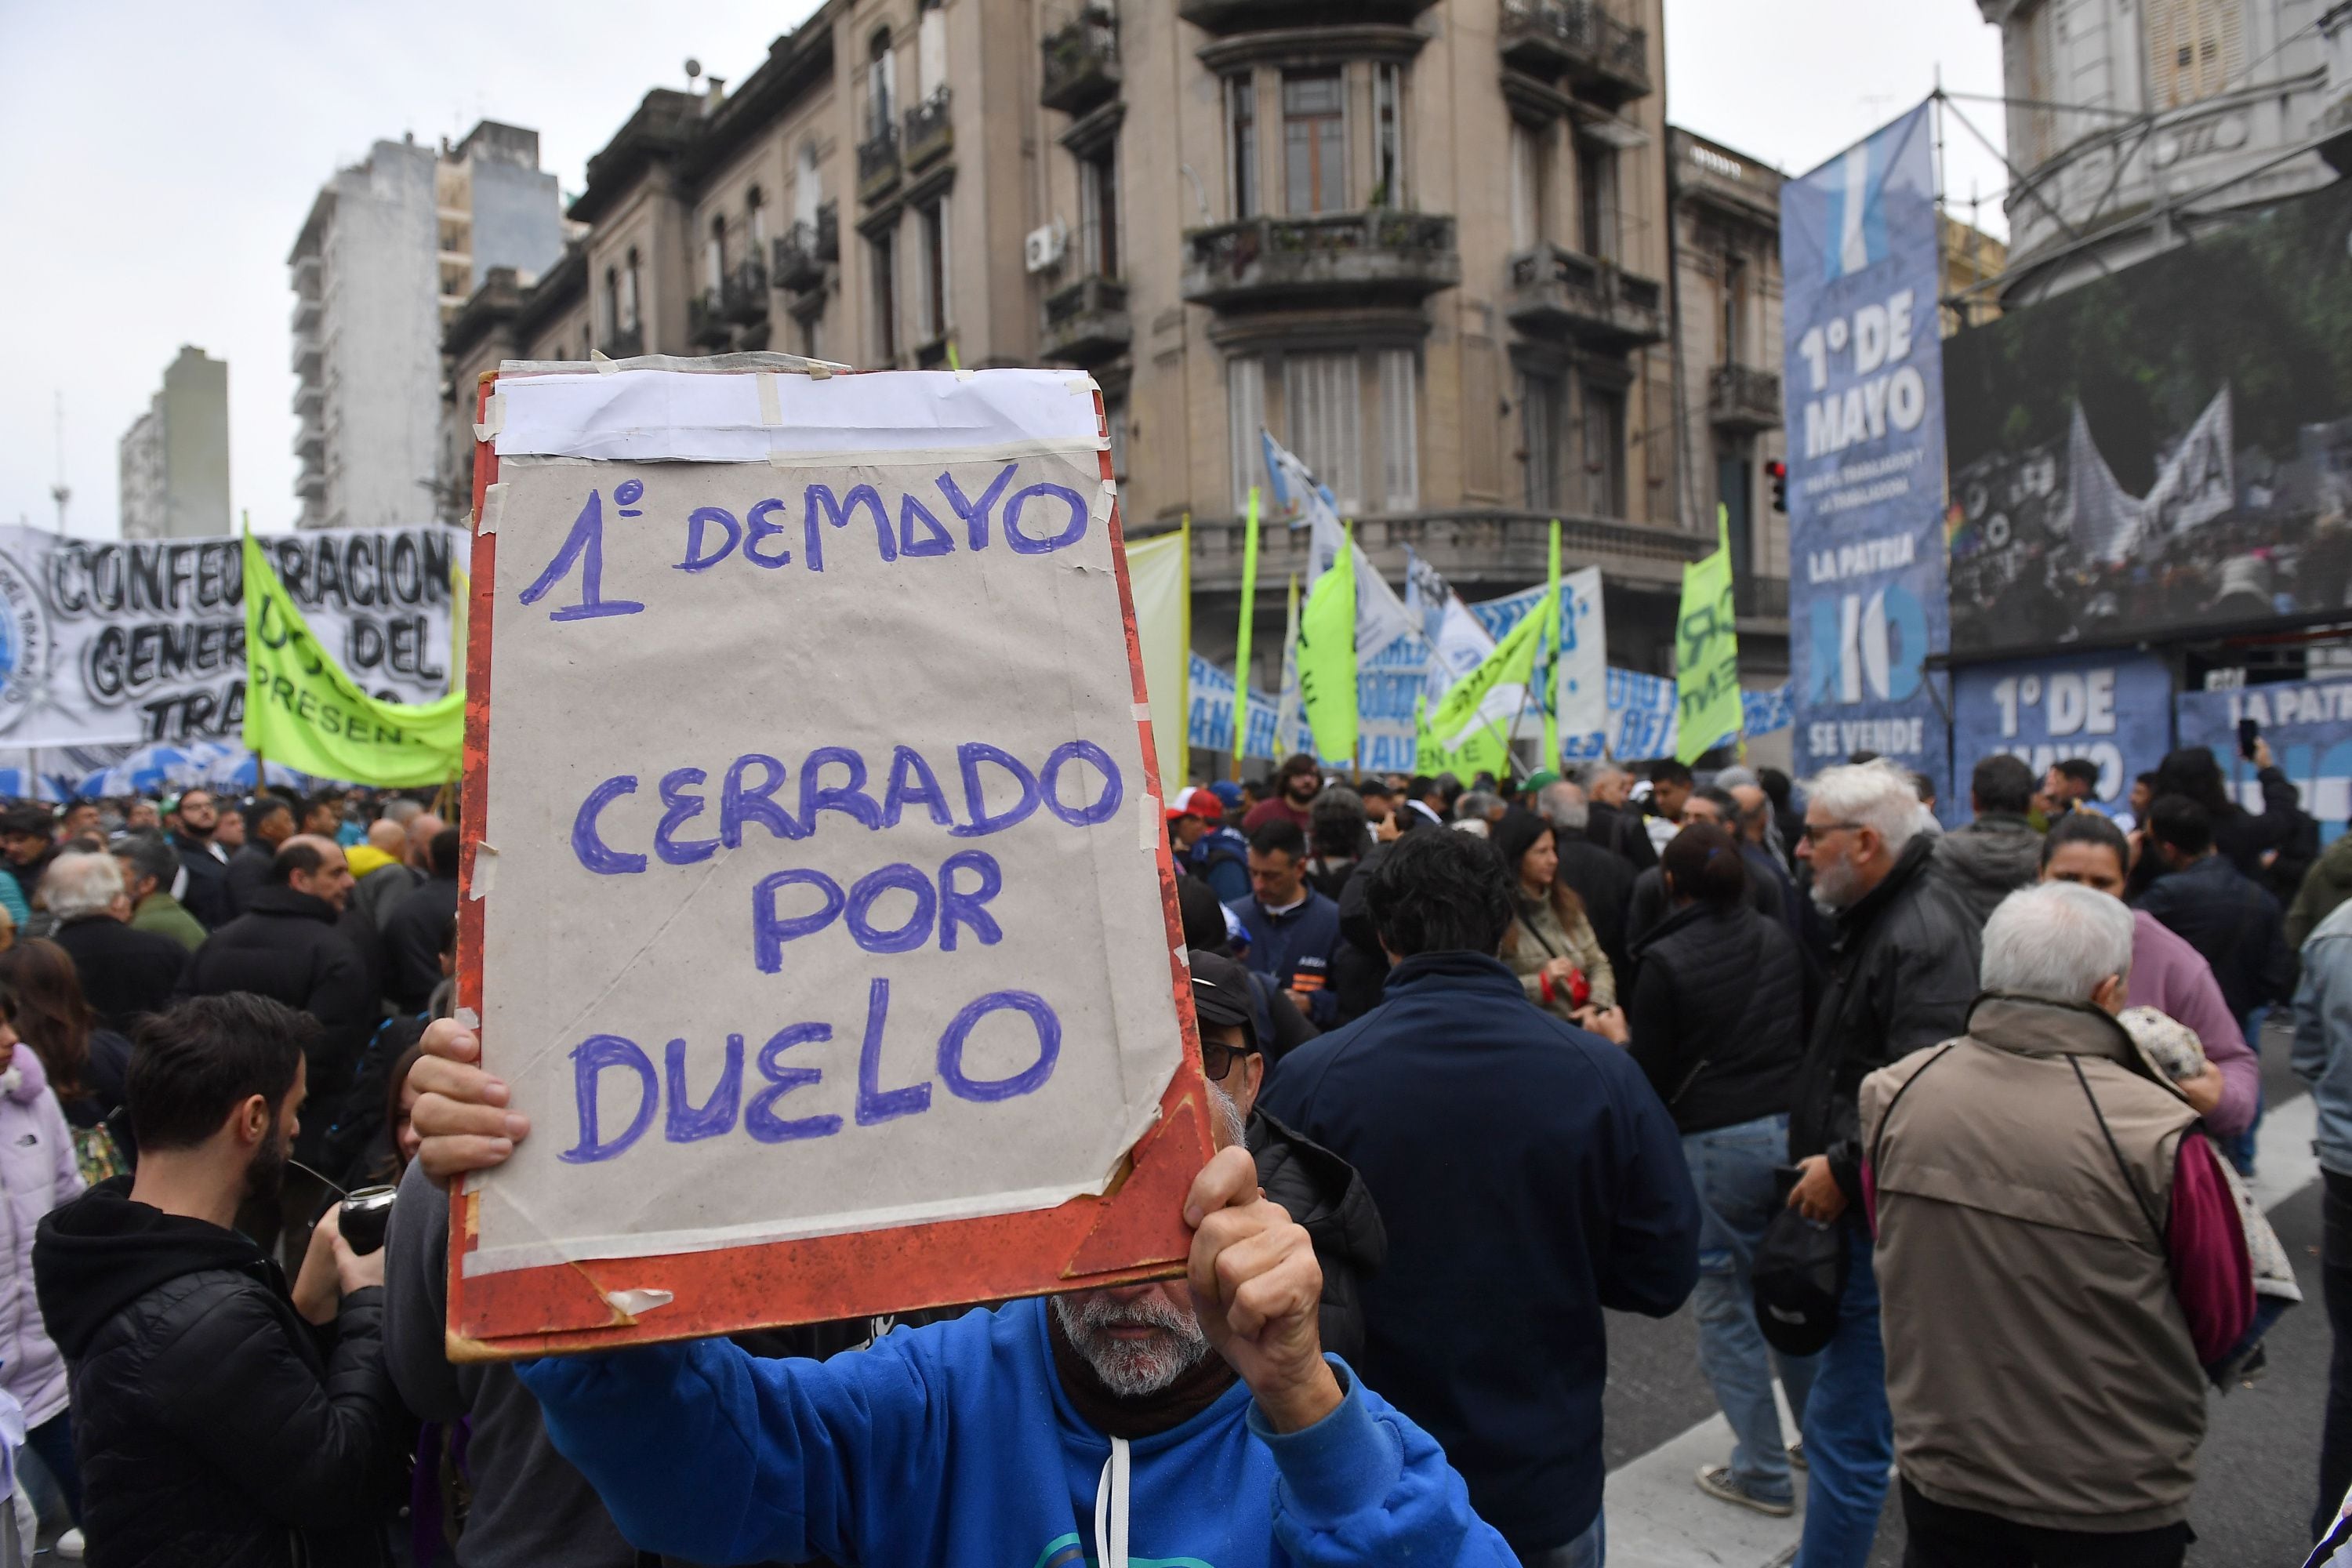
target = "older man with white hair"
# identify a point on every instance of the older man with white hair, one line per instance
(2039, 1187)
(1903, 969)
(126, 973)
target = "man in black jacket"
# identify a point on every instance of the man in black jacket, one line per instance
(418, 929)
(1611, 823)
(125, 974)
(1602, 879)
(207, 896)
(1903, 970)
(268, 823)
(218, 1417)
(1999, 851)
(286, 947)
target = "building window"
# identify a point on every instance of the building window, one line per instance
(811, 328)
(1604, 451)
(936, 275)
(1596, 195)
(808, 191)
(1314, 142)
(931, 49)
(1098, 211)
(1115, 419)
(881, 78)
(885, 250)
(755, 222)
(1400, 431)
(714, 255)
(1541, 404)
(2195, 48)
(611, 302)
(1530, 173)
(1245, 415)
(1734, 488)
(1323, 409)
(1387, 135)
(632, 302)
(1241, 137)
(1735, 310)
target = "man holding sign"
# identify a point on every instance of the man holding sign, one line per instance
(1053, 1432)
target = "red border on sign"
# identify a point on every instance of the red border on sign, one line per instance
(1134, 1232)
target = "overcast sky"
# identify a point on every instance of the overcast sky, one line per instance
(166, 154)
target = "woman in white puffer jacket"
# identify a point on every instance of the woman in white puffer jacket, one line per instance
(38, 1173)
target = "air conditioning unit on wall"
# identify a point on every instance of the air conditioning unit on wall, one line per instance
(1048, 245)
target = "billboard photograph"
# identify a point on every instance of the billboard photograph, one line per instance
(2166, 449)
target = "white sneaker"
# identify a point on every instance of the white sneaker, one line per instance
(1716, 1481)
(68, 1547)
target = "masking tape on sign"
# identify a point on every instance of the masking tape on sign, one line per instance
(772, 408)
(494, 506)
(486, 870)
(636, 1303)
(494, 417)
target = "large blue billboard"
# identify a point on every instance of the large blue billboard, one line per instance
(2113, 709)
(2308, 724)
(1864, 397)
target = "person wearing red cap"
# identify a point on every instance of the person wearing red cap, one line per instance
(1205, 847)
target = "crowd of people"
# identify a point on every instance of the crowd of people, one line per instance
(1490, 1058)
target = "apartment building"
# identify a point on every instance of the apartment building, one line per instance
(393, 250)
(1425, 243)
(174, 457)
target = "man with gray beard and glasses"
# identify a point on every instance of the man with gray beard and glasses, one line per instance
(1096, 1428)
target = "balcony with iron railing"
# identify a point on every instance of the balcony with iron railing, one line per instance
(1484, 545)
(878, 164)
(803, 251)
(1082, 65)
(1742, 398)
(1601, 58)
(1556, 292)
(1333, 257)
(1086, 322)
(705, 320)
(930, 133)
(628, 343)
(743, 292)
(1760, 598)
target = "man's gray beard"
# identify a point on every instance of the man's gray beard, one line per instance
(1833, 891)
(1132, 1369)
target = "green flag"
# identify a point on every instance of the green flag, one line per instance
(302, 711)
(1241, 634)
(1454, 736)
(1327, 658)
(1706, 652)
(1551, 660)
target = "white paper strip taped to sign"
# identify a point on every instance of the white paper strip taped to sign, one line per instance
(816, 792)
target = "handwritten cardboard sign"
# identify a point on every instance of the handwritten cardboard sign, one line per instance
(819, 908)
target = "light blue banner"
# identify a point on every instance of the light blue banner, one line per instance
(1864, 389)
(2113, 709)
(2308, 724)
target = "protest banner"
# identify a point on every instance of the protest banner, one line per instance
(305, 710)
(1457, 734)
(2113, 709)
(1159, 574)
(116, 642)
(819, 906)
(2308, 724)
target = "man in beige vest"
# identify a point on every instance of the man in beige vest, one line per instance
(2058, 1259)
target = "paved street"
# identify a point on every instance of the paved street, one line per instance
(2256, 1471)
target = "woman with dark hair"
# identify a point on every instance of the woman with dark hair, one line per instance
(1717, 1024)
(2247, 841)
(84, 1064)
(1337, 833)
(1550, 946)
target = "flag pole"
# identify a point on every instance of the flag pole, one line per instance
(1242, 634)
(1550, 660)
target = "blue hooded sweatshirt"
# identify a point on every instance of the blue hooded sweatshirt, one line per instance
(954, 1444)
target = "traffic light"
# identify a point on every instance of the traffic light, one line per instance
(1779, 470)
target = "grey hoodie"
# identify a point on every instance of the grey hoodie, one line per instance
(1988, 859)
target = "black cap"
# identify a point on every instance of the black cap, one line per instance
(1799, 1279)
(1222, 994)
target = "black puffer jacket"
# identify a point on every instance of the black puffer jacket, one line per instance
(214, 1427)
(1325, 1196)
(286, 947)
(1903, 970)
(1717, 1015)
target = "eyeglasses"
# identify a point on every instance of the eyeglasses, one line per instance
(1813, 833)
(1217, 1060)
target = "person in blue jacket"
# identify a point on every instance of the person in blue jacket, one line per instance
(1194, 1421)
(1527, 1177)
(1293, 930)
